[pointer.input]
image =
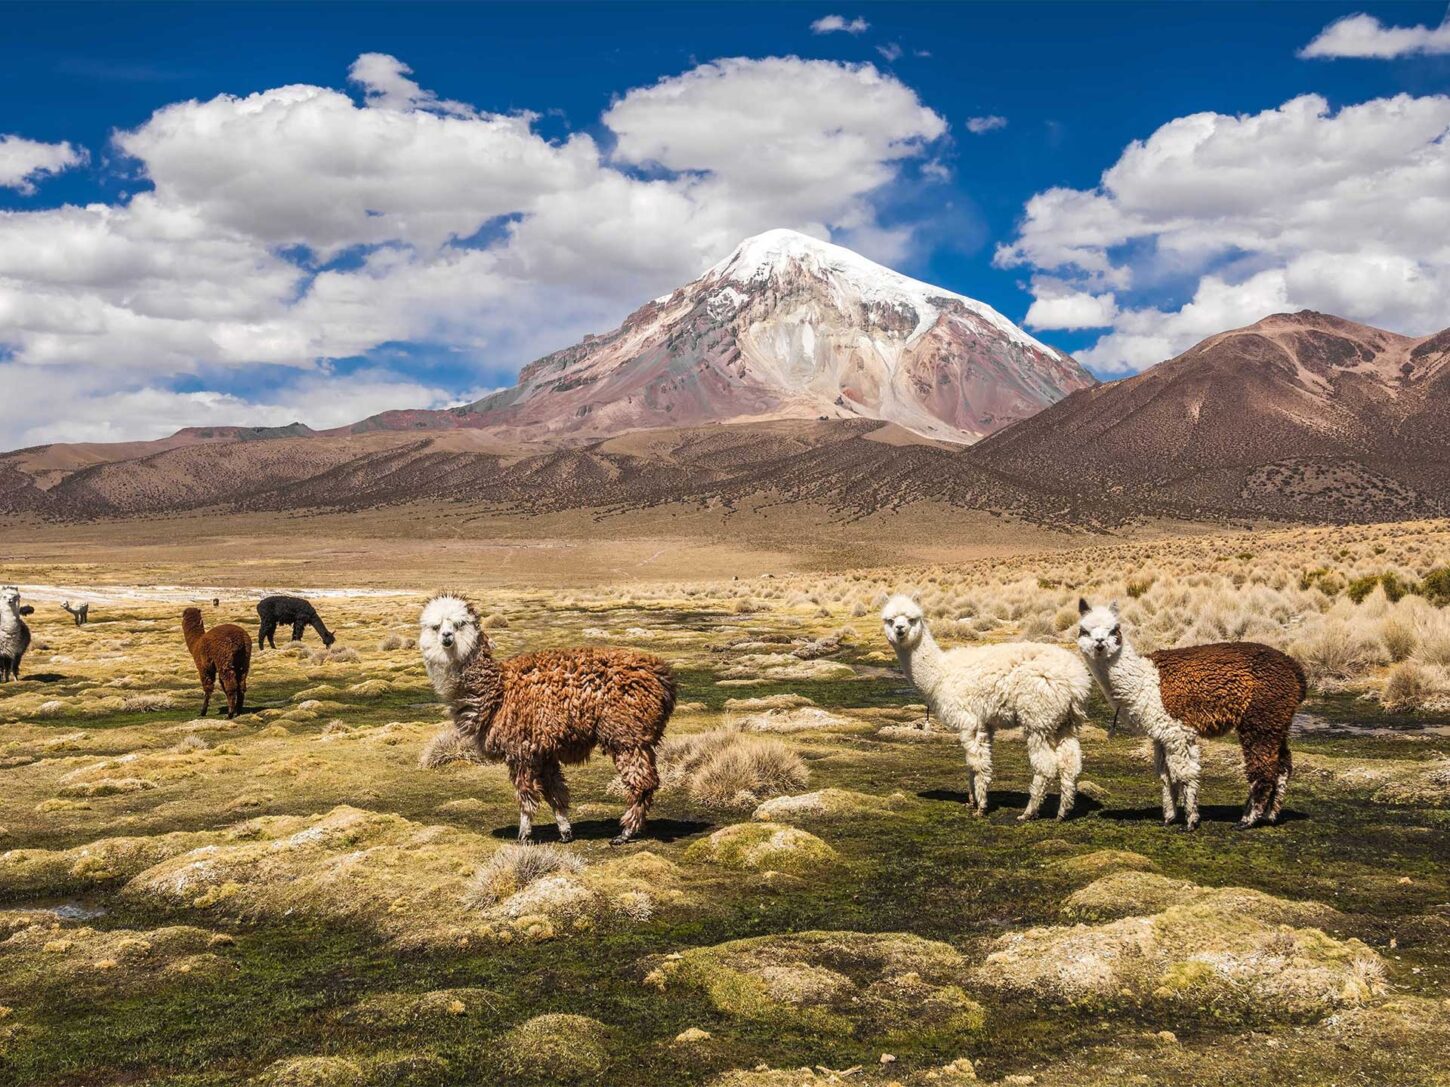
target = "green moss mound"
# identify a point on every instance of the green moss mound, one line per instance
(555, 1049)
(871, 985)
(312, 1072)
(761, 846)
(1204, 956)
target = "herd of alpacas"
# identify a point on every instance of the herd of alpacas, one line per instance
(538, 712)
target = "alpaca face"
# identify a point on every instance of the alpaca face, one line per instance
(903, 621)
(10, 599)
(1100, 633)
(448, 631)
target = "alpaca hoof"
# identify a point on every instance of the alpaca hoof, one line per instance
(1064, 816)
(1191, 825)
(565, 837)
(1242, 824)
(621, 839)
(1026, 817)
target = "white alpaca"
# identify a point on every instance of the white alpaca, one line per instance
(975, 689)
(14, 634)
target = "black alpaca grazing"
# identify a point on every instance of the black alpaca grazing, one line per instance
(285, 611)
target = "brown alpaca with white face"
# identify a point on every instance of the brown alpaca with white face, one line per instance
(540, 710)
(222, 654)
(1178, 696)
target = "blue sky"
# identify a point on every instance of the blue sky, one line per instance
(203, 304)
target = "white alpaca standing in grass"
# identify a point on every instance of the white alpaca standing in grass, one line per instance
(975, 689)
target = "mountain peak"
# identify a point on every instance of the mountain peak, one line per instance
(780, 253)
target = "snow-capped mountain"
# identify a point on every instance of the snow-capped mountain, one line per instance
(786, 326)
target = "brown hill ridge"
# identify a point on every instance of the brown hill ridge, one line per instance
(1298, 417)
(1302, 416)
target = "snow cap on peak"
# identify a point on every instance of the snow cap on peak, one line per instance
(764, 256)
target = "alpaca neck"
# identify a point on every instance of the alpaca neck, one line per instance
(923, 665)
(192, 628)
(1129, 681)
(9, 620)
(472, 688)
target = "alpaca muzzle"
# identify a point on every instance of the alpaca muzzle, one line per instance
(447, 640)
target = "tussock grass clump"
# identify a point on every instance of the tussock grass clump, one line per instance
(446, 746)
(1407, 688)
(730, 770)
(515, 867)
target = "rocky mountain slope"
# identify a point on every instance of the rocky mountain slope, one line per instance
(1303, 416)
(785, 327)
(1299, 417)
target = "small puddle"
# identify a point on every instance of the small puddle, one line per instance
(68, 909)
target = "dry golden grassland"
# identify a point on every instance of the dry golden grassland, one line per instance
(325, 891)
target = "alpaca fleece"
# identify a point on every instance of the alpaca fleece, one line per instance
(540, 710)
(14, 633)
(293, 611)
(974, 690)
(1178, 696)
(222, 654)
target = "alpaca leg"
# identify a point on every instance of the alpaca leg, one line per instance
(208, 684)
(1069, 768)
(1044, 769)
(637, 771)
(1261, 767)
(1170, 802)
(977, 742)
(556, 792)
(229, 689)
(1182, 759)
(297, 629)
(528, 788)
(1281, 781)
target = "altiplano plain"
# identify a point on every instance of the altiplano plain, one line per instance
(322, 892)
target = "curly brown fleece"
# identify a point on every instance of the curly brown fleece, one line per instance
(538, 710)
(1214, 689)
(224, 653)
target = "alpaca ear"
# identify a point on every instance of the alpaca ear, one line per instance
(1113, 607)
(1083, 607)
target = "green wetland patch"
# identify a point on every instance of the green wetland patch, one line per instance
(292, 899)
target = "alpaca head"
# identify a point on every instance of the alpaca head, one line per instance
(10, 599)
(449, 632)
(1099, 631)
(328, 639)
(903, 621)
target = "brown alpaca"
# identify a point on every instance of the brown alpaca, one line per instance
(222, 653)
(1178, 696)
(540, 710)
(1215, 689)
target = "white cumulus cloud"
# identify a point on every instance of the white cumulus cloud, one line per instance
(837, 24)
(989, 123)
(1231, 218)
(1365, 36)
(301, 224)
(1057, 305)
(23, 162)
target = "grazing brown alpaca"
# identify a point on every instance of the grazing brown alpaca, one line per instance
(222, 653)
(539, 710)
